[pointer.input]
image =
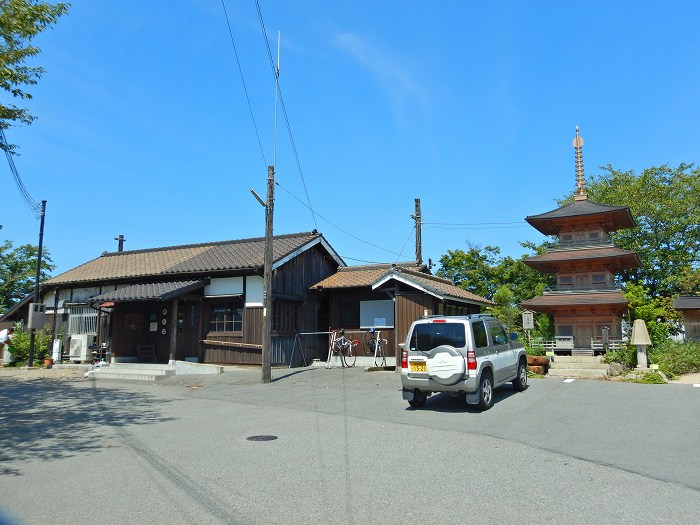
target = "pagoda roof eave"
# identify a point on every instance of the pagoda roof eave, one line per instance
(617, 258)
(611, 217)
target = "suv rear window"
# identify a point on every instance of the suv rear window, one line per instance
(427, 336)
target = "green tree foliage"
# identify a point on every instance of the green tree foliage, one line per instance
(473, 270)
(483, 271)
(665, 203)
(658, 313)
(18, 272)
(20, 22)
(504, 280)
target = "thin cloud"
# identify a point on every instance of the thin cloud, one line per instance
(378, 61)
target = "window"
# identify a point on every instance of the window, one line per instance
(427, 336)
(566, 281)
(498, 335)
(226, 317)
(599, 278)
(479, 330)
(379, 314)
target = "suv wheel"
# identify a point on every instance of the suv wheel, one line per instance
(485, 391)
(520, 382)
(418, 399)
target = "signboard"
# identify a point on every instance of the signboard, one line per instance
(528, 321)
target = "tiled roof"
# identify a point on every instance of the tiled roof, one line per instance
(687, 302)
(409, 273)
(443, 288)
(621, 259)
(615, 217)
(150, 292)
(244, 254)
(358, 276)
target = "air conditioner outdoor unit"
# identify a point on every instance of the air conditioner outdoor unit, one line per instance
(80, 347)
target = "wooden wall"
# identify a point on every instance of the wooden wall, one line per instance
(290, 282)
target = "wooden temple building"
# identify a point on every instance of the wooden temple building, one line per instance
(587, 304)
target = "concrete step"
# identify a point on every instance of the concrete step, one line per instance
(130, 373)
(577, 372)
(577, 359)
(579, 366)
(141, 366)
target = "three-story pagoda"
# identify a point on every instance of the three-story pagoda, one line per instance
(587, 305)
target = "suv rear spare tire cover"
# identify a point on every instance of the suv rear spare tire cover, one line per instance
(445, 365)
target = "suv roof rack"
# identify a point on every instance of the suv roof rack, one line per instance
(468, 316)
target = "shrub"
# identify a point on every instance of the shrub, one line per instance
(626, 356)
(677, 358)
(42, 342)
(652, 378)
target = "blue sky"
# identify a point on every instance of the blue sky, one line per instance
(144, 127)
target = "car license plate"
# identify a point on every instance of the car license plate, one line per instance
(418, 366)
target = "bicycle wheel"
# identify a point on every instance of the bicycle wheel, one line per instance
(370, 343)
(348, 355)
(380, 358)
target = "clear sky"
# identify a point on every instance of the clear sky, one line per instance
(144, 127)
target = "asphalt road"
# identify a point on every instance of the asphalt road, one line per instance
(348, 450)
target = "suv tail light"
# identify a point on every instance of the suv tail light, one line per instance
(404, 358)
(471, 360)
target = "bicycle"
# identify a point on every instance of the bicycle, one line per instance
(374, 345)
(344, 348)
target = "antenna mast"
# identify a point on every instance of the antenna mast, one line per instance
(277, 93)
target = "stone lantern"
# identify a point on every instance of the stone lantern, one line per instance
(640, 339)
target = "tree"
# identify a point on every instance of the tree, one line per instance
(20, 22)
(473, 270)
(482, 271)
(658, 313)
(664, 202)
(18, 272)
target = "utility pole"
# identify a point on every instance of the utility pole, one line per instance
(120, 245)
(32, 333)
(267, 279)
(419, 243)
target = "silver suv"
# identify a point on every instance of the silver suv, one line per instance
(463, 355)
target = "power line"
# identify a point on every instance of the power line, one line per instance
(404, 244)
(245, 89)
(275, 74)
(33, 205)
(335, 225)
(470, 223)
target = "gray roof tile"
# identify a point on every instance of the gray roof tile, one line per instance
(244, 254)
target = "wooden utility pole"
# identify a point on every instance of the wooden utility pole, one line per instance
(419, 247)
(32, 333)
(267, 279)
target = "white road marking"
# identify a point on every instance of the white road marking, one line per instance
(696, 385)
(569, 380)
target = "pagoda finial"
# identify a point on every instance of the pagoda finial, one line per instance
(578, 145)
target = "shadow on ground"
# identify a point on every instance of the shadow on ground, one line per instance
(50, 420)
(444, 402)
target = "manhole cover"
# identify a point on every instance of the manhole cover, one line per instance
(261, 438)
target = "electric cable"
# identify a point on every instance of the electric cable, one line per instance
(245, 89)
(405, 243)
(335, 225)
(284, 112)
(33, 205)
